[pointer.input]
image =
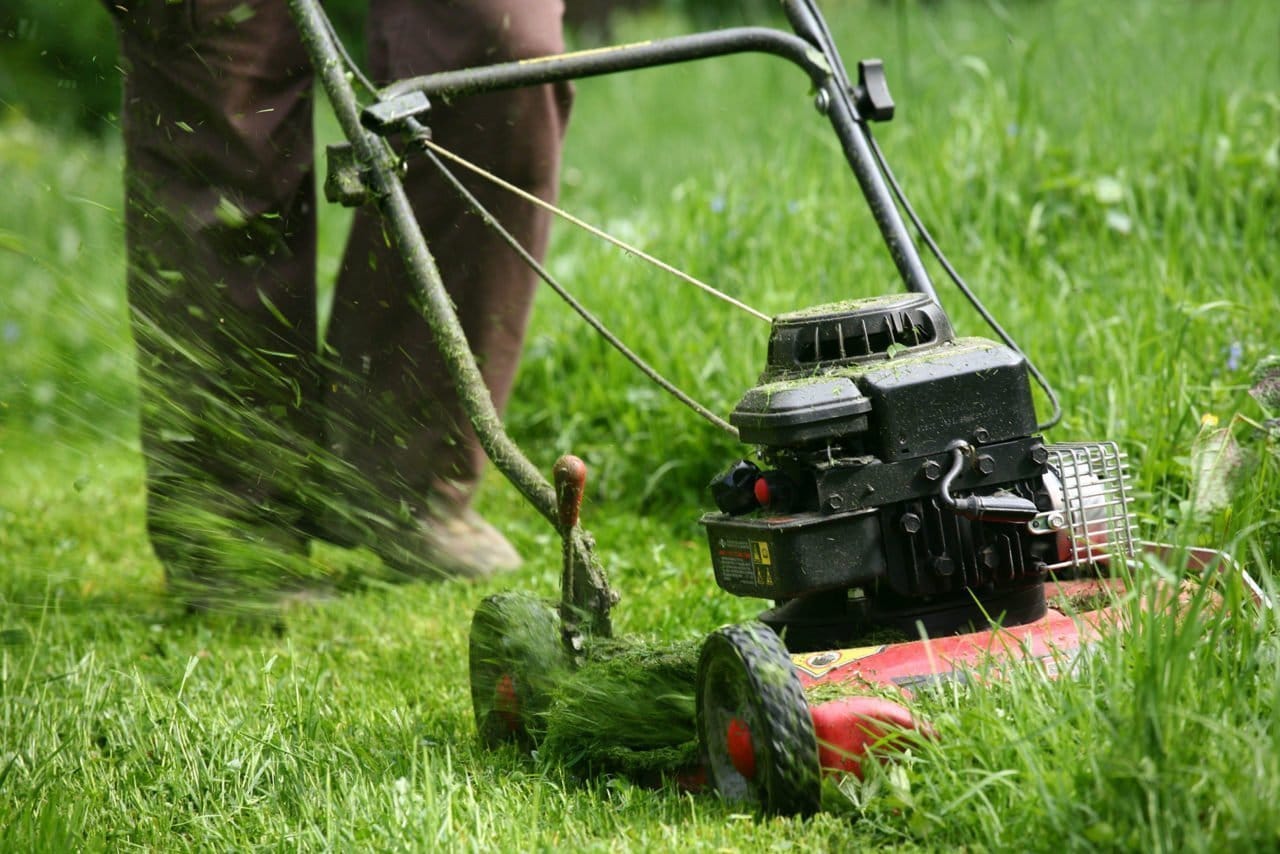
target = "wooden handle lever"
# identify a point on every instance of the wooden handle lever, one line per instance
(571, 481)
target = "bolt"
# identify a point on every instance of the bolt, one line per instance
(986, 464)
(1039, 454)
(835, 502)
(822, 101)
(1057, 521)
(931, 470)
(981, 435)
(988, 557)
(943, 565)
(910, 523)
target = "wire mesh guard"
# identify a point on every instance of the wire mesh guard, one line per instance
(1092, 479)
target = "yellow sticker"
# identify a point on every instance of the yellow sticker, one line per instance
(819, 664)
(760, 553)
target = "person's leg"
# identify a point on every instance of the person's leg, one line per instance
(395, 414)
(220, 229)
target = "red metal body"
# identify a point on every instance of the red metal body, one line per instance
(1050, 640)
(849, 727)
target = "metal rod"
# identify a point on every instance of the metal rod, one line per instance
(963, 286)
(852, 134)
(812, 51)
(581, 310)
(428, 143)
(855, 139)
(609, 60)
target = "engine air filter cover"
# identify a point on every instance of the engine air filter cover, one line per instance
(794, 412)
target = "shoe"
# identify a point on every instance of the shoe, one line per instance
(460, 545)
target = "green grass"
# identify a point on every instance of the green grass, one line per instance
(1106, 175)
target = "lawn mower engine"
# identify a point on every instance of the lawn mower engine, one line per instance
(903, 483)
(906, 523)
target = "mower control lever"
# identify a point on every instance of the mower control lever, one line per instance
(988, 508)
(872, 97)
(571, 480)
(570, 475)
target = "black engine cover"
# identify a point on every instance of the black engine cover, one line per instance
(969, 389)
(910, 548)
(856, 412)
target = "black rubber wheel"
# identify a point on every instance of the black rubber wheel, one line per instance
(754, 727)
(516, 656)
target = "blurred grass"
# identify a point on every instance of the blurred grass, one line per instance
(1106, 175)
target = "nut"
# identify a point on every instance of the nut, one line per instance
(910, 523)
(981, 435)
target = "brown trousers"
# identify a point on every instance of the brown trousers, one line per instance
(245, 414)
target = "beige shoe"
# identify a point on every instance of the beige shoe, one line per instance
(463, 545)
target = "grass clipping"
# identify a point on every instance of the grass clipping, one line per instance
(628, 710)
(631, 710)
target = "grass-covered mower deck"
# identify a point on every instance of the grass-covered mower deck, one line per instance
(759, 722)
(901, 508)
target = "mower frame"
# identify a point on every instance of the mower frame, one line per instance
(368, 164)
(367, 171)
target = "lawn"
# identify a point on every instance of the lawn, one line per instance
(1107, 176)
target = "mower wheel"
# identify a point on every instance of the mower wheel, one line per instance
(516, 657)
(754, 726)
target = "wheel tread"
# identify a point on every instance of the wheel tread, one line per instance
(792, 784)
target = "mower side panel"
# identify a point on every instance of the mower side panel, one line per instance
(783, 556)
(1054, 642)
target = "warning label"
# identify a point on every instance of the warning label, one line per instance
(760, 553)
(733, 560)
(819, 664)
(747, 562)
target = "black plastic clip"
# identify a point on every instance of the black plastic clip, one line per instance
(389, 116)
(872, 97)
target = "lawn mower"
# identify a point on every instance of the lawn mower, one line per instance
(900, 508)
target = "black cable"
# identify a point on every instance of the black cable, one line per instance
(347, 60)
(569, 299)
